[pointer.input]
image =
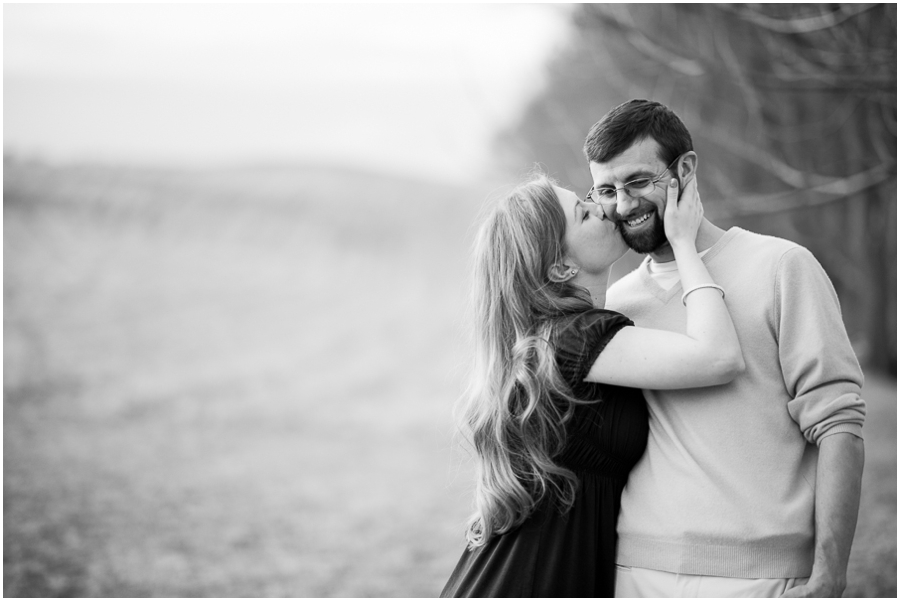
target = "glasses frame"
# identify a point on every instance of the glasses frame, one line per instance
(589, 197)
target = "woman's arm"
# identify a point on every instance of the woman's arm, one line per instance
(709, 352)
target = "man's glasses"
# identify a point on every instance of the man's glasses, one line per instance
(638, 188)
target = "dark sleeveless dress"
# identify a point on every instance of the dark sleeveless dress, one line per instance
(573, 554)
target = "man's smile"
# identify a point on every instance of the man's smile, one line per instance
(638, 220)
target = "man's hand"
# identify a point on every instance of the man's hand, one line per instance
(817, 587)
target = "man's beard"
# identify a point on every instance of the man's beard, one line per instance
(647, 240)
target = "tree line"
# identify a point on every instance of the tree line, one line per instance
(793, 113)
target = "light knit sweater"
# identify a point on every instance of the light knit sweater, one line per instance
(727, 484)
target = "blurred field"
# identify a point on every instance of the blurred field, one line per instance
(227, 384)
(238, 383)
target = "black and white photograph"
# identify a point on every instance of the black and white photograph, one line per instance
(419, 300)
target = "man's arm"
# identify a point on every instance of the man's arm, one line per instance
(823, 376)
(838, 483)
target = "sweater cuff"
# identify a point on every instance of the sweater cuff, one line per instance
(854, 429)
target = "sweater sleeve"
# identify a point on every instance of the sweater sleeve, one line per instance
(821, 372)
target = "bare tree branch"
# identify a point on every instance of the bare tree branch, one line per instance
(844, 188)
(666, 56)
(734, 67)
(801, 25)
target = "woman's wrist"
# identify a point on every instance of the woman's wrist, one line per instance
(683, 246)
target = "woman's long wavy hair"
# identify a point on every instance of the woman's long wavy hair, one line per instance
(517, 404)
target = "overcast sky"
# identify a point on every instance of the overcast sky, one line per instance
(411, 89)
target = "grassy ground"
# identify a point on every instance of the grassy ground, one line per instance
(239, 384)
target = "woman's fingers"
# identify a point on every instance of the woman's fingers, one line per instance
(671, 196)
(682, 215)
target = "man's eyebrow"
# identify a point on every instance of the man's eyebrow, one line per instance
(640, 173)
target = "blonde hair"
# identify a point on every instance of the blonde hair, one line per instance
(516, 407)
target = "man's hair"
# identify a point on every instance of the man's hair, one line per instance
(631, 122)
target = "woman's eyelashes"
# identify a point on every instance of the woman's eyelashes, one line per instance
(584, 212)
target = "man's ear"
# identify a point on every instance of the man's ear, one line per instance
(687, 167)
(560, 273)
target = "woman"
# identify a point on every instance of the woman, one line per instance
(555, 412)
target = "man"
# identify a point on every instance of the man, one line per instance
(750, 488)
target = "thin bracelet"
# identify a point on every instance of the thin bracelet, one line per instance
(695, 288)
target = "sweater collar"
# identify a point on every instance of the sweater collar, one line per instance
(666, 295)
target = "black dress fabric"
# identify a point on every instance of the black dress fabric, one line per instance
(572, 554)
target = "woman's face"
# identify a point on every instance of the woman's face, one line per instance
(592, 242)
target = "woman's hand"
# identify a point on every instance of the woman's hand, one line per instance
(682, 219)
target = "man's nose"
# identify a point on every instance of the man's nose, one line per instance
(624, 203)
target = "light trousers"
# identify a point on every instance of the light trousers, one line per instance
(640, 582)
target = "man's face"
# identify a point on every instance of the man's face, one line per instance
(639, 220)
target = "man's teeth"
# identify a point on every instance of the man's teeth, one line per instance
(639, 220)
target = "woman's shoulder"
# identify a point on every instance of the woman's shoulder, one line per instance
(581, 337)
(599, 320)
